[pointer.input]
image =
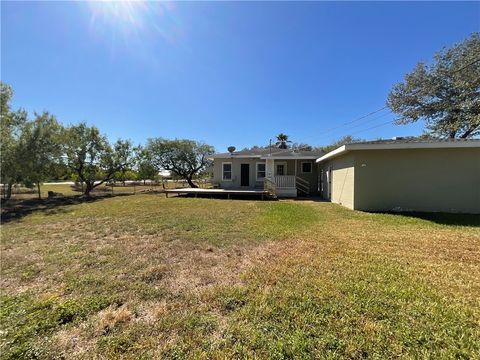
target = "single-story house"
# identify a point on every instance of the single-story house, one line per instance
(290, 172)
(404, 175)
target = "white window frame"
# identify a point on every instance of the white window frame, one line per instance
(231, 171)
(284, 163)
(306, 172)
(256, 171)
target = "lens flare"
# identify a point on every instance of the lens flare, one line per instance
(127, 20)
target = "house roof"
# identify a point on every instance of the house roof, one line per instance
(265, 153)
(402, 143)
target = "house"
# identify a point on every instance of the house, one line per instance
(289, 172)
(404, 175)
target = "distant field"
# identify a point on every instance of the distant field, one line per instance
(144, 276)
(69, 190)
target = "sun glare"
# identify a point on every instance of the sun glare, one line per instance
(123, 13)
(133, 18)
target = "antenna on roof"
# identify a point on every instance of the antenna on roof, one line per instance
(231, 149)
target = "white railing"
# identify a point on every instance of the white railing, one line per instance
(285, 181)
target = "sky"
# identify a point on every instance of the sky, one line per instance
(225, 73)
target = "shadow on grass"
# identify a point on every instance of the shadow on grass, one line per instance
(222, 196)
(249, 197)
(15, 210)
(443, 218)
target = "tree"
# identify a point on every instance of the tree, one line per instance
(40, 149)
(146, 168)
(347, 139)
(11, 126)
(302, 147)
(446, 94)
(91, 157)
(125, 175)
(185, 158)
(282, 141)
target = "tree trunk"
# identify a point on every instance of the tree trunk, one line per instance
(88, 188)
(39, 193)
(191, 183)
(8, 192)
(144, 180)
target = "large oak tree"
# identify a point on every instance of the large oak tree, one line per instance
(92, 158)
(185, 158)
(446, 93)
(40, 149)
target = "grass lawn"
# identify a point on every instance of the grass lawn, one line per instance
(147, 277)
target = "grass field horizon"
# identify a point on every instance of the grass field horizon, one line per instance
(143, 276)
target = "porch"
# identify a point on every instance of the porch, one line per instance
(287, 185)
(228, 193)
(282, 177)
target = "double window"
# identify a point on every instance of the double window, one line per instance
(227, 171)
(260, 171)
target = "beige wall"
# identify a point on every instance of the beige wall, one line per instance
(312, 178)
(446, 180)
(342, 181)
(236, 163)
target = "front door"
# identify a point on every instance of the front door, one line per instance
(244, 174)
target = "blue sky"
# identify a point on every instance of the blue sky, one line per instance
(227, 73)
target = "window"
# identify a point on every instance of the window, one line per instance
(227, 171)
(280, 169)
(260, 171)
(306, 167)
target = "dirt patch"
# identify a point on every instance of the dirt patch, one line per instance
(191, 267)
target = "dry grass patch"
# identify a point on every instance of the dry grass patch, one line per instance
(146, 276)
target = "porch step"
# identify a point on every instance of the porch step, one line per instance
(302, 185)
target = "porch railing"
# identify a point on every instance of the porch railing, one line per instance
(285, 181)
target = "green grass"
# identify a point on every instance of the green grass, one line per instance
(143, 276)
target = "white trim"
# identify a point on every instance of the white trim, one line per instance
(256, 170)
(331, 154)
(306, 172)
(293, 157)
(284, 163)
(231, 171)
(401, 146)
(264, 157)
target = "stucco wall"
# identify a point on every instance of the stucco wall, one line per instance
(342, 182)
(235, 182)
(446, 180)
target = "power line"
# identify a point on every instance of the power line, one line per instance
(370, 120)
(357, 119)
(373, 127)
(377, 111)
(353, 121)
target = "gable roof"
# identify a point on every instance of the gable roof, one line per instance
(402, 143)
(265, 153)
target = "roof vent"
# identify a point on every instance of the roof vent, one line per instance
(231, 149)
